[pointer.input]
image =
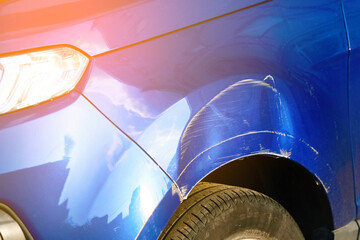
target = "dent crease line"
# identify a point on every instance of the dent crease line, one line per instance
(246, 134)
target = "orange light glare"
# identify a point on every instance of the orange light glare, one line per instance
(31, 78)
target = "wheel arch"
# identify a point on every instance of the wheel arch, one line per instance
(287, 182)
(267, 115)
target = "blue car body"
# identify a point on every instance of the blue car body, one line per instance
(174, 92)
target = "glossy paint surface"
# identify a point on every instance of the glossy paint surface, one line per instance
(193, 89)
(352, 14)
(99, 26)
(160, 217)
(71, 174)
(271, 79)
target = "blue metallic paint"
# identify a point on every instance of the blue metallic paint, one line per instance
(160, 217)
(253, 83)
(85, 180)
(352, 13)
(268, 79)
(99, 26)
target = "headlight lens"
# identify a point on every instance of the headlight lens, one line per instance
(31, 78)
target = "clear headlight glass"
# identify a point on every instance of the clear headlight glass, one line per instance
(34, 77)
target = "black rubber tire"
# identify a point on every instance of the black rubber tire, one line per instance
(216, 211)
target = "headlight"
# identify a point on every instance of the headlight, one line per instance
(31, 78)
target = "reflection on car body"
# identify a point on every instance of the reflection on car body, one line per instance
(116, 116)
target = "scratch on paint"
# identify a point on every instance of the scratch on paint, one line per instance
(251, 133)
(231, 156)
(246, 123)
(327, 189)
(329, 167)
(183, 190)
(249, 81)
(265, 151)
(269, 78)
(285, 153)
(312, 148)
(191, 124)
(262, 150)
(175, 190)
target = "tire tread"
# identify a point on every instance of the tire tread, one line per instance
(205, 203)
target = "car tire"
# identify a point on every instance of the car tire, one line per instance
(216, 211)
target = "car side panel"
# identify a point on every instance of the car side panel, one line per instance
(271, 79)
(69, 173)
(160, 217)
(352, 15)
(100, 26)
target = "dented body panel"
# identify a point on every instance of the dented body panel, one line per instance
(174, 92)
(244, 84)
